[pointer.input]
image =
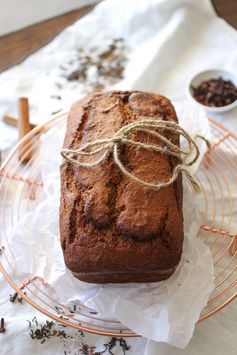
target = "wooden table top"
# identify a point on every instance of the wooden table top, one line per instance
(18, 45)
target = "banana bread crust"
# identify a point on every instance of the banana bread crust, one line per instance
(113, 229)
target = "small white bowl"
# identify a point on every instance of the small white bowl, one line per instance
(211, 74)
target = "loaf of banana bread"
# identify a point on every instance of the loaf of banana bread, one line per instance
(114, 230)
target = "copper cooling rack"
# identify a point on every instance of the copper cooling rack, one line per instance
(21, 190)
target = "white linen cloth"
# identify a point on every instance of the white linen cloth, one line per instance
(168, 41)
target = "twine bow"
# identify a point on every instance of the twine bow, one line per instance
(121, 137)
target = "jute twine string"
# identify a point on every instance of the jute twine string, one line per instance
(121, 137)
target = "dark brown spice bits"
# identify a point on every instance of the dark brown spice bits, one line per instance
(2, 328)
(56, 97)
(96, 68)
(87, 350)
(92, 312)
(49, 330)
(113, 342)
(13, 297)
(44, 331)
(81, 333)
(215, 92)
(54, 112)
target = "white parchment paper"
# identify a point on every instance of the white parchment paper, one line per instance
(165, 311)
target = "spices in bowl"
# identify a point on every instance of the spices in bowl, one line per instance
(213, 89)
(215, 92)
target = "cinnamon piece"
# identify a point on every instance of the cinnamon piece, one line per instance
(24, 128)
(10, 120)
(14, 122)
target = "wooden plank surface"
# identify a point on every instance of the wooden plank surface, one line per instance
(228, 10)
(16, 46)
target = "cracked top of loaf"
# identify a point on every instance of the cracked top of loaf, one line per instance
(108, 222)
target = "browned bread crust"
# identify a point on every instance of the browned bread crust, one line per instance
(113, 229)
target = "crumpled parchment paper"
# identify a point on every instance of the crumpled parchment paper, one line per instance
(165, 311)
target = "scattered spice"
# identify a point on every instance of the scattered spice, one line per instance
(96, 67)
(20, 299)
(49, 330)
(54, 112)
(44, 331)
(215, 92)
(14, 297)
(123, 344)
(56, 97)
(81, 333)
(35, 320)
(112, 344)
(58, 308)
(86, 350)
(62, 325)
(93, 312)
(58, 85)
(2, 328)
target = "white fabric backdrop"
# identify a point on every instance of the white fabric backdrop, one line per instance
(169, 40)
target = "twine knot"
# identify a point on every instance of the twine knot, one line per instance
(121, 137)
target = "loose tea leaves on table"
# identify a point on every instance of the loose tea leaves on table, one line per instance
(215, 92)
